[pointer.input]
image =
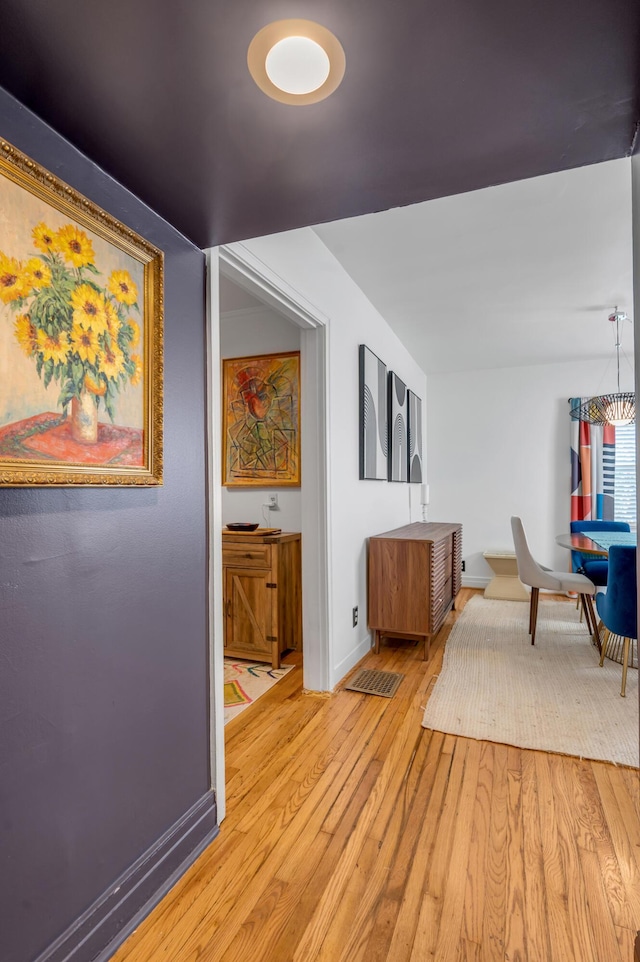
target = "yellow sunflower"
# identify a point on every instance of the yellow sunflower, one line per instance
(26, 334)
(85, 342)
(36, 274)
(136, 377)
(44, 238)
(136, 332)
(54, 348)
(89, 308)
(98, 387)
(12, 283)
(123, 288)
(112, 320)
(75, 246)
(112, 363)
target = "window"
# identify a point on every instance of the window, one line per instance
(625, 475)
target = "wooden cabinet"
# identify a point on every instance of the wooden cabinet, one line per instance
(262, 595)
(414, 577)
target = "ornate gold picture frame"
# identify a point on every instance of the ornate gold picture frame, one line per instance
(261, 420)
(81, 337)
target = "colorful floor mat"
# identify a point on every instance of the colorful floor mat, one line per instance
(245, 681)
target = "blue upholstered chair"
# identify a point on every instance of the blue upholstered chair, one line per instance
(595, 569)
(618, 608)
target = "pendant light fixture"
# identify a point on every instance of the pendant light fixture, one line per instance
(618, 409)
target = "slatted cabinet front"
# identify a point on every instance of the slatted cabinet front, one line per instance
(414, 577)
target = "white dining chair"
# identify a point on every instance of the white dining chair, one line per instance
(536, 576)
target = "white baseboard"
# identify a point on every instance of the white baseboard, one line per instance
(357, 654)
(471, 581)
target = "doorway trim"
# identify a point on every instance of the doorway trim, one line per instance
(246, 270)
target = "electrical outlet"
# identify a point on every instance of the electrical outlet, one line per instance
(355, 616)
(273, 502)
(464, 565)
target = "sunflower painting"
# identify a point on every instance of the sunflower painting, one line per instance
(80, 338)
(261, 420)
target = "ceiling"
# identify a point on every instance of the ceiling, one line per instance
(234, 298)
(439, 97)
(524, 273)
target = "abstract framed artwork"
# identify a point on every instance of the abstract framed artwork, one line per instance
(261, 420)
(414, 435)
(398, 459)
(373, 416)
(81, 313)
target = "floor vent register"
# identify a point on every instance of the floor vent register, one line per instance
(374, 682)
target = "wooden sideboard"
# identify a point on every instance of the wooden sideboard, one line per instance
(262, 585)
(414, 577)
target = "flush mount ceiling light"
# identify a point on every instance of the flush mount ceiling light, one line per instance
(619, 408)
(296, 61)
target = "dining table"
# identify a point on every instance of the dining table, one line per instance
(598, 546)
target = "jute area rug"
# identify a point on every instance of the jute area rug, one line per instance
(553, 695)
(244, 681)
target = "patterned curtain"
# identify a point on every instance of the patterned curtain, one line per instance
(593, 458)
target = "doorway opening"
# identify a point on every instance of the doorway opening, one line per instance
(262, 569)
(253, 313)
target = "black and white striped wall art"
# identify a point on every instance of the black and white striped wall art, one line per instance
(398, 457)
(414, 447)
(373, 416)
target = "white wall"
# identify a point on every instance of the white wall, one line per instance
(498, 446)
(357, 509)
(259, 331)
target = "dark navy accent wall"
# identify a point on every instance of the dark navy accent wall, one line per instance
(103, 627)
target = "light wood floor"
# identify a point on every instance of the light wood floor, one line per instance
(355, 835)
